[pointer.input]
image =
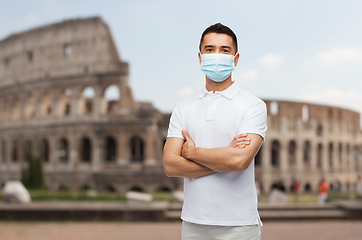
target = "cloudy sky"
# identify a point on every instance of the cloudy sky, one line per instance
(308, 50)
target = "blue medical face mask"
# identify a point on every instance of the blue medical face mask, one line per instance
(217, 66)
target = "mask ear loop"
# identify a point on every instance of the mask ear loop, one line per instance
(234, 58)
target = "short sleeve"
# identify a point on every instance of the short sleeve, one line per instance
(175, 127)
(255, 119)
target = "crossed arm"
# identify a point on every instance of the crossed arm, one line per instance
(182, 159)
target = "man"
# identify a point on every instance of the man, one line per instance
(212, 140)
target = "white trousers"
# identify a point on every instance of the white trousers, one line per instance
(192, 231)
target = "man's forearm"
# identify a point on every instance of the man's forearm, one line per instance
(177, 166)
(225, 159)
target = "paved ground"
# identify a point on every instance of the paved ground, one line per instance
(326, 230)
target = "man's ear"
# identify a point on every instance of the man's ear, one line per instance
(236, 59)
(199, 55)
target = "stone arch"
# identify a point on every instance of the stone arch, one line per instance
(45, 104)
(137, 149)
(348, 155)
(44, 150)
(278, 185)
(306, 153)
(307, 188)
(84, 187)
(3, 151)
(110, 188)
(330, 154)
(320, 130)
(164, 189)
(65, 102)
(67, 50)
(63, 188)
(348, 187)
(87, 100)
(63, 150)
(258, 157)
(136, 188)
(305, 113)
(28, 149)
(292, 156)
(14, 151)
(85, 149)
(112, 96)
(275, 153)
(111, 149)
(319, 156)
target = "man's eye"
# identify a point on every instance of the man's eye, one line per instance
(225, 51)
(208, 50)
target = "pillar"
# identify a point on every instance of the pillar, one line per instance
(150, 158)
(313, 156)
(266, 165)
(122, 150)
(98, 152)
(299, 156)
(55, 105)
(98, 101)
(73, 148)
(335, 153)
(325, 155)
(283, 159)
(53, 152)
(37, 105)
(74, 108)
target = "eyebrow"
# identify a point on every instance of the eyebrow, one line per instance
(211, 46)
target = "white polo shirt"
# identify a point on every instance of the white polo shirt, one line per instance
(212, 120)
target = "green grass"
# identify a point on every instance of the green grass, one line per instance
(43, 195)
(73, 196)
(312, 198)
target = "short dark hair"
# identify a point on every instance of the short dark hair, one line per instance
(221, 29)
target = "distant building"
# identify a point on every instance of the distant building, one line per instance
(307, 142)
(53, 83)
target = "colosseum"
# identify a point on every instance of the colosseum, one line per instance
(54, 83)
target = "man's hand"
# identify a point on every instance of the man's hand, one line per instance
(188, 145)
(240, 141)
(235, 157)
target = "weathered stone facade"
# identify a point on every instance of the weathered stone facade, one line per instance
(309, 142)
(53, 81)
(84, 142)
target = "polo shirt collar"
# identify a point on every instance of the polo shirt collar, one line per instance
(229, 93)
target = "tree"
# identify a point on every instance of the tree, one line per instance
(32, 176)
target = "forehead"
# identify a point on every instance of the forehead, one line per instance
(217, 39)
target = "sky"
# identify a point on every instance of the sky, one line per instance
(308, 50)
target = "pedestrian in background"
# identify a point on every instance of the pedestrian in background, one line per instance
(323, 192)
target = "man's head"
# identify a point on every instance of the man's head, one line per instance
(218, 28)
